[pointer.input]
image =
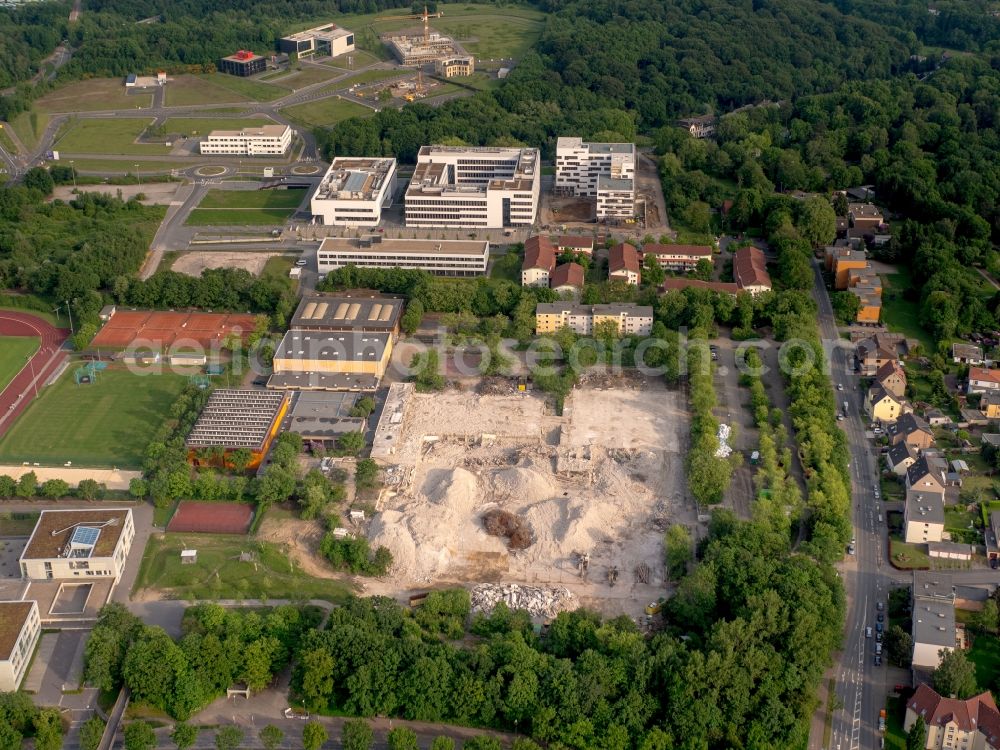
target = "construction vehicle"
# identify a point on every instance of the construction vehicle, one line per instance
(612, 575)
(425, 17)
(654, 608)
(410, 97)
(881, 720)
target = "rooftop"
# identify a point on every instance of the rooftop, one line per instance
(978, 713)
(984, 374)
(244, 55)
(933, 585)
(572, 142)
(864, 211)
(13, 615)
(750, 268)
(568, 240)
(925, 507)
(236, 418)
(327, 31)
(908, 424)
(624, 257)
(934, 623)
(899, 453)
(263, 131)
(515, 169)
(567, 274)
(539, 252)
(967, 351)
(348, 346)
(655, 248)
(605, 182)
(360, 179)
(54, 532)
(323, 415)
(558, 308)
(377, 244)
(347, 311)
(324, 381)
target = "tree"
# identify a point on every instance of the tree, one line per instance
(48, 730)
(698, 216)
(677, 544)
(183, 735)
(351, 442)
(271, 737)
(38, 178)
(228, 738)
(53, 489)
(443, 743)
(366, 474)
(139, 736)
(314, 735)
(11, 739)
(239, 459)
(652, 272)
(916, 738)
(89, 489)
(986, 619)
(426, 370)
(138, 488)
(27, 485)
(356, 735)
(482, 742)
(316, 669)
(817, 222)
(413, 316)
(401, 738)
(363, 407)
(91, 732)
(845, 306)
(898, 645)
(703, 269)
(8, 486)
(840, 204)
(955, 675)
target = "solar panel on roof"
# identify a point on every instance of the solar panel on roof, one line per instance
(85, 536)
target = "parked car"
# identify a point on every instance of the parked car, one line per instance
(301, 262)
(880, 606)
(881, 617)
(868, 632)
(878, 660)
(879, 626)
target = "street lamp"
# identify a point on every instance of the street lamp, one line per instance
(72, 169)
(139, 176)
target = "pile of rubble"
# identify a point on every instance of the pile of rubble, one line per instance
(724, 450)
(537, 602)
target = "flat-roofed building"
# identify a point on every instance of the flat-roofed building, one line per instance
(457, 65)
(328, 39)
(933, 617)
(348, 312)
(605, 171)
(243, 63)
(418, 48)
(78, 544)
(615, 198)
(439, 257)
(264, 140)
(354, 191)
(473, 188)
(632, 320)
(323, 417)
(20, 627)
(348, 360)
(234, 419)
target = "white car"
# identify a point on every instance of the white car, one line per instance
(840, 386)
(301, 262)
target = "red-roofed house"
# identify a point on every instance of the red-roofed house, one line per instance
(574, 244)
(678, 282)
(567, 277)
(973, 724)
(982, 379)
(750, 270)
(680, 258)
(539, 261)
(624, 265)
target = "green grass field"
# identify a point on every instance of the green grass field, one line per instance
(218, 574)
(14, 354)
(222, 217)
(985, 654)
(115, 136)
(325, 112)
(484, 30)
(93, 95)
(29, 127)
(6, 142)
(277, 268)
(107, 423)
(202, 125)
(185, 91)
(252, 199)
(901, 315)
(247, 89)
(297, 79)
(368, 76)
(352, 61)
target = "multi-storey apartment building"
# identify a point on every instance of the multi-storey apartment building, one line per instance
(632, 320)
(605, 171)
(266, 140)
(353, 192)
(473, 188)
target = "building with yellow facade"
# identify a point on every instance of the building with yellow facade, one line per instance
(631, 320)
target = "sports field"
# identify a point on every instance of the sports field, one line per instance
(108, 137)
(107, 423)
(219, 573)
(325, 112)
(14, 354)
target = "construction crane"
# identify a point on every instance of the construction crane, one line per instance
(425, 17)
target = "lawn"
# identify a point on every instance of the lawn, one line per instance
(901, 315)
(369, 76)
(107, 423)
(957, 522)
(985, 654)
(185, 91)
(325, 112)
(307, 76)
(246, 88)
(17, 524)
(277, 268)
(237, 199)
(14, 354)
(219, 574)
(108, 137)
(895, 737)
(202, 125)
(507, 267)
(29, 127)
(6, 142)
(222, 217)
(126, 166)
(353, 60)
(908, 556)
(93, 95)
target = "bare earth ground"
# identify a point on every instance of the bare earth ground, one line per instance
(605, 479)
(301, 539)
(157, 193)
(194, 263)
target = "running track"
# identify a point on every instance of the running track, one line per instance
(21, 390)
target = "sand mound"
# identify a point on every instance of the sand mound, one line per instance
(388, 529)
(522, 484)
(454, 489)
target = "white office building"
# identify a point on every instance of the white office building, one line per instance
(266, 140)
(473, 188)
(329, 39)
(354, 191)
(440, 257)
(78, 543)
(605, 171)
